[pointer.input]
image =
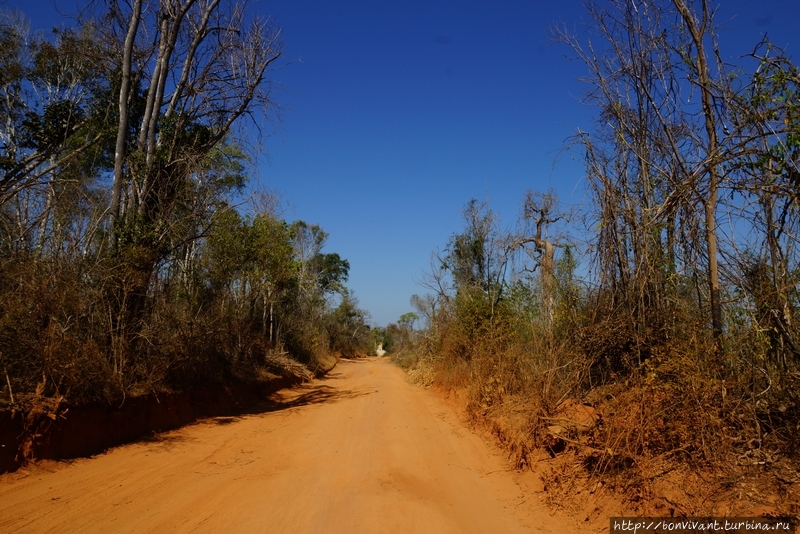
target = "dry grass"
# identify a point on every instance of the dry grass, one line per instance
(57, 341)
(678, 431)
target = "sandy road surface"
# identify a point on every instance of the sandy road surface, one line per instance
(358, 451)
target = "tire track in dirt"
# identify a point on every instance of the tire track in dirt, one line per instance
(358, 451)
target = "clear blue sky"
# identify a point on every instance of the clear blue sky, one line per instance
(396, 113)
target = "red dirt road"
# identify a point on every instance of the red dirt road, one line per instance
(358, 451)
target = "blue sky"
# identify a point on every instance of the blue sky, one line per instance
(396, 114)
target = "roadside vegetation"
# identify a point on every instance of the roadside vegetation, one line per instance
(135, 257)
(653, 332)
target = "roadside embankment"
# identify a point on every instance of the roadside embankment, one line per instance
(74, 431)
(564, 467)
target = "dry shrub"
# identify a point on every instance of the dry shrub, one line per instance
(687, 412)
(52, 333)
(185, 349)
(405, 358)
(57, 338)
(670, 409)
(281, 364)
(422, 373)
(515, 371)
(666, 405)
(514, 423)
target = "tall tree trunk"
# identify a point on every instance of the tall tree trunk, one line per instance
(122, 128)
(710, 203)
(548, 274)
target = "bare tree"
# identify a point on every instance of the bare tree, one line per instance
(539, 208)
(217, 61)
(656, 158)
(630, 165)
(124, 101)
(204, 71)
(700, 26)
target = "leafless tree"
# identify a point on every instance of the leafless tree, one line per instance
(539, 209)
(654, 164)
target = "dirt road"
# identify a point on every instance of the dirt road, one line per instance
(358, 451)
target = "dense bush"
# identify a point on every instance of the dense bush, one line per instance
(129, 261)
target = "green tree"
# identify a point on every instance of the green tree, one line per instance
(217, 60)
(348, 328)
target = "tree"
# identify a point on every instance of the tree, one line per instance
(274, 267)
(765, 178)
(539, 208)
(700, 25)
(407, 320)
(405, 326)
(215, 58)
(164, 279)
(655, 162)
(53, 136)
(220, 72)
(308, 241)
(475, 257)
(333, 271)
(348, 328)
(426, 306)
(634, 162)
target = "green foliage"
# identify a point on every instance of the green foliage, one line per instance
(163, 282)
(384, 337)
(407, 320)
(348, 329)
(333, 272)
(51, 92)
(473, 258)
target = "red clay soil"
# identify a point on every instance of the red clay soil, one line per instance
(358, 451)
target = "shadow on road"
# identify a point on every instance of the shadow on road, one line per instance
(309, 395)
(302, 396)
